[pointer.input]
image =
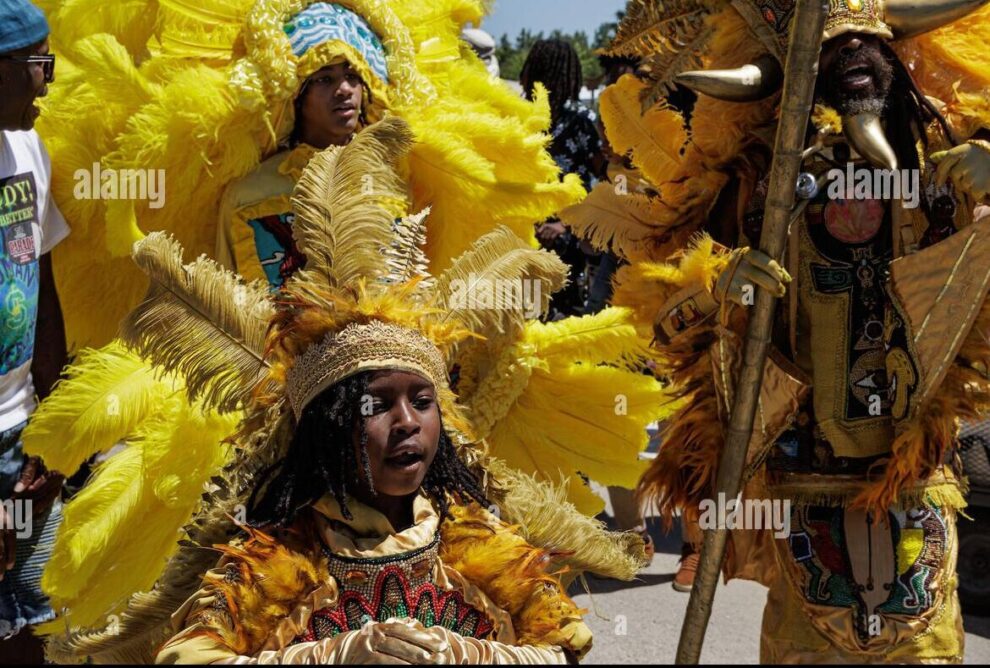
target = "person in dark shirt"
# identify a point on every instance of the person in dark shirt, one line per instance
(576, 147)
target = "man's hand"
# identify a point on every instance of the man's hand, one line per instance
(747, 269)
(968, 166)
(38, 484)
(548, 232)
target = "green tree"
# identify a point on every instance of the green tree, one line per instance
(512, 54)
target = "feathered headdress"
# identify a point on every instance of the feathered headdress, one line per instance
(730, 52)
(203, 90)
(551, 399)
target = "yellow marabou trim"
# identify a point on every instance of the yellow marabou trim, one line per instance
(501, 387)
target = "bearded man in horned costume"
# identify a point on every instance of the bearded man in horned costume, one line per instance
(880, 344)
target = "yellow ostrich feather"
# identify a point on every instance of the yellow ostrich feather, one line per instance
(168, 86)
(439, 21)
(654, 139)
(120, 529)
(555, 412)
(952, 64)
(545, 517)
(131, 22)
(103, 398)
(633, 225)
(459, 164)
(333, 188)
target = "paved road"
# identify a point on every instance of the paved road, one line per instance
(640, 622)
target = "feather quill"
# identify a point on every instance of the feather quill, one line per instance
(655, 138)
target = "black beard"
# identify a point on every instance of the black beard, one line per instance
(871, 99)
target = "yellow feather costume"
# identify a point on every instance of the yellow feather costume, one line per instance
(204, 91)
(200, 90)
(352, 245)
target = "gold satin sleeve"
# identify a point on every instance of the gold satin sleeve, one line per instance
(200, 627)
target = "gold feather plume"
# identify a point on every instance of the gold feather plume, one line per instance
(143, 624)
(655, 140)
(562, 399)
(650, 25)
(480, 289)
(634, 225)
(202, 321)
(545, 517)
(358, 183)
(105, 395)
(670, 36)
(660, 68)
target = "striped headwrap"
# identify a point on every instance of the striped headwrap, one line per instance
(324, 22)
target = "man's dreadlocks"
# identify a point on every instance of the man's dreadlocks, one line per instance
(321, 459)
(555, 64)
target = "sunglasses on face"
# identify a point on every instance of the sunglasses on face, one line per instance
(47, 63)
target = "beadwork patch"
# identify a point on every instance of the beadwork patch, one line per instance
(394, 597)
(872, 568)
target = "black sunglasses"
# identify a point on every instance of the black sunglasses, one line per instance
(47, 63)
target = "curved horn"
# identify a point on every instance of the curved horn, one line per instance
(913, 17)
(744, 84)
(865, 134)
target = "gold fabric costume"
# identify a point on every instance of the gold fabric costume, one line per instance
(370, 546)
(879, 347)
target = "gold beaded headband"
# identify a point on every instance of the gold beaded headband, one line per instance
(361, 347)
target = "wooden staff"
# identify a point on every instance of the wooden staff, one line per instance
(800, 73)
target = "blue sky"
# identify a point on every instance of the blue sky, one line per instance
(510, 16)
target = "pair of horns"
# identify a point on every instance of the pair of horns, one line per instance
(764, 77)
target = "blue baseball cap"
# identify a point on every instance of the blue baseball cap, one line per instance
(21, 24)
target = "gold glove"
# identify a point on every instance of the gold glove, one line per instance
(463, 650)
(393, 643)
(968, 165)
(747, 269)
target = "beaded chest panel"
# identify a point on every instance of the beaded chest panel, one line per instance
(377, 589)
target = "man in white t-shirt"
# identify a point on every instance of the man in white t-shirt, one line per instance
(32, 336)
